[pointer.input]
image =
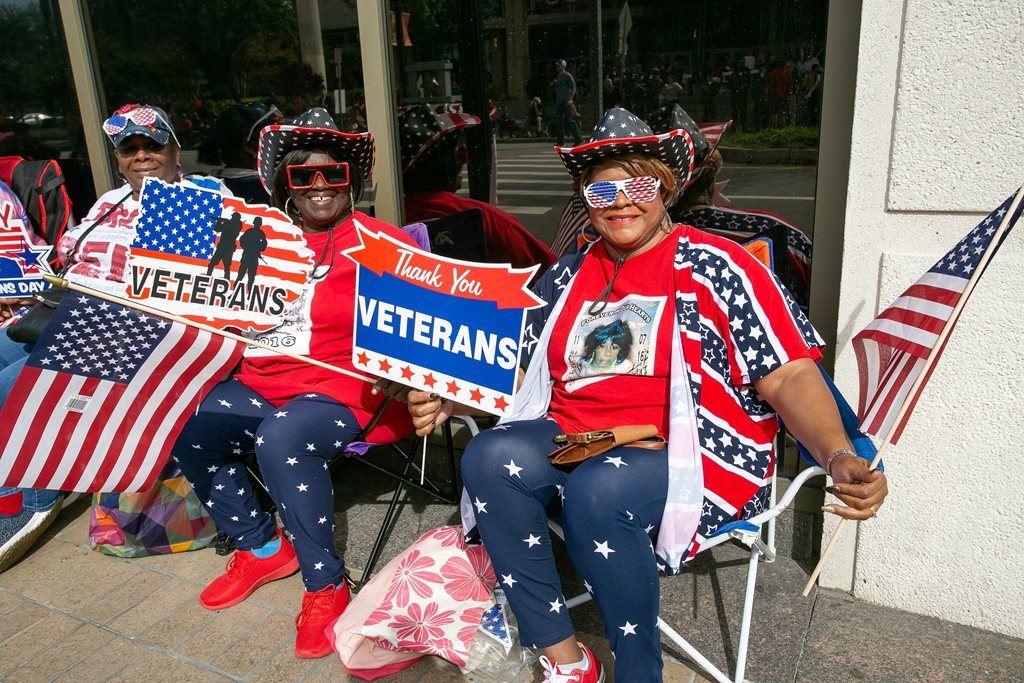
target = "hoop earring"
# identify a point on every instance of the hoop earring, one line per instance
(583, 233)
(286, 209)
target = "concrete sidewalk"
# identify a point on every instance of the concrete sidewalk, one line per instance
(70, 614)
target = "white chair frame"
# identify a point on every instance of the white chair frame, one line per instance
(758, 547)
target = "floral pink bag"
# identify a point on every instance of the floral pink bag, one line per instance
(426, 601)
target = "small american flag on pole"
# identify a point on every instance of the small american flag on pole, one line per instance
(103, 396)
(906, 339)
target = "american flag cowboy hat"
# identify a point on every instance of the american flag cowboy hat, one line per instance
(621, 132)
(139, 119)
(309, 129)
(424, 132)
(705, 136)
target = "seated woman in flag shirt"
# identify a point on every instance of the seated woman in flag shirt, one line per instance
(293, 415)
(95, 254)
(717, 349)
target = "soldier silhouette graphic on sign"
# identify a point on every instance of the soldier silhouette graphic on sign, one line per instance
(253, 243)
(225, 250)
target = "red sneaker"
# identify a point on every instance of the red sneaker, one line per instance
(245, 572)
(554, 673)
(319, 612)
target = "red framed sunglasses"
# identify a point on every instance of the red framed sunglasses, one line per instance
(304, 177)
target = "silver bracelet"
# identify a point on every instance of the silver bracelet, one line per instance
(833, 456)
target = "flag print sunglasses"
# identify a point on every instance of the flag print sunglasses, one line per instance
(639, 190)
(304, 177)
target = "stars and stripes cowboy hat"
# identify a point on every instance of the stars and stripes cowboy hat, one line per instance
(705, 136)
(309, 129)
(621, 132)
(423, 132)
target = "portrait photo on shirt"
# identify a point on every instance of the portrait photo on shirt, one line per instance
(622, 339)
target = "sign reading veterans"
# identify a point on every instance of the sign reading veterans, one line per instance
(438, 324)
(22, 263)
(216, 259)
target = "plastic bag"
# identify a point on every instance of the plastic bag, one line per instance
(495, 655)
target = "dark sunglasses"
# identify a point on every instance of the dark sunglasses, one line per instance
(304, 177)
(131, 147)
(639, 190)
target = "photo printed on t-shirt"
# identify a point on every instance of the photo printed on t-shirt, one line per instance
(620, 340)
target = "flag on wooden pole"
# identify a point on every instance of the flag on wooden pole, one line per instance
(103, 396)
(892, 351)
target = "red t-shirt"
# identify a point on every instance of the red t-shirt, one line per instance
(613, 368)
(319, 326)
(507, 240)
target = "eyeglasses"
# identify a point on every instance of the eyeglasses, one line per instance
(304, 177)
(639, 190)
(130, 147)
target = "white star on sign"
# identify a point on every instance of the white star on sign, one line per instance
(322, 520)
(590, 589)
(531, 541)
(259, 440)
(628, 629)
(303, 487)
(513, 470)
(603, 549)
(291, 461)
(508, 580)
(480, 506)
(556, 606)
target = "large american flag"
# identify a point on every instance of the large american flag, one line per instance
(103, 396)
(892, 350)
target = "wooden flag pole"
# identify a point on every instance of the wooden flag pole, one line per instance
(932, 355)
(64, 284)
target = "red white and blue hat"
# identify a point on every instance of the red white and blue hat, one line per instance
(705, 136)
(424, 132)
(621, 132)
(139, 119)
(310, 129)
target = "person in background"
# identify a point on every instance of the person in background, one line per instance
(565, 90)
(433, 157)
(295, 417)
(236, 133)
(95, 254)
(535, 118)
(699, 374)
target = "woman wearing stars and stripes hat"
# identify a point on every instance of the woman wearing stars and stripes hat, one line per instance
(715, 350)
(295, 417)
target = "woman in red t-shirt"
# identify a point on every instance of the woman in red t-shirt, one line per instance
(655, 324)
(294, 416)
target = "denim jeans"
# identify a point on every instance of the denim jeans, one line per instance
(12, 358)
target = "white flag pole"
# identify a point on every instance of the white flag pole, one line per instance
(929, 362)
(64, 284)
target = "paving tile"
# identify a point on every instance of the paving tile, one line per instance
(257, 646)
(149, 665)
(284, 666)
(190, 673)
(20, 618)
(434, 670)
(219, 634)
(79, 580)
(193, 566)
(9, 601)
(853, 640)
(72, 524)
(178, 626)
(284, 596)
(126, 595)
(64, 654)
(34, 639)
(169, 597)
(45, 557)
(117, 654)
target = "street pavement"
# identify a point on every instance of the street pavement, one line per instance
(534, 186)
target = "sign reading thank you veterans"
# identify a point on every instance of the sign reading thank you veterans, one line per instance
(438, 324)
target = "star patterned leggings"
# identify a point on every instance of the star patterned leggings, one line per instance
(611, 509)
(292, 445)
